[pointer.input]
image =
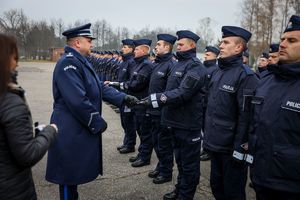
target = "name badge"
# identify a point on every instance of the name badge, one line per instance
(227, 88)
(291, 105)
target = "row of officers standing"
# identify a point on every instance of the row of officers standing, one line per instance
(243, 118)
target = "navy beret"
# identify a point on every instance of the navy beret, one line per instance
(80, 31)
(274, 48)
(128, 42)
(294, 24)
(246, 53)
(228, 31)
(264, 55)
(167, 37)
(212, 49)
(187, 34)
(142, 42)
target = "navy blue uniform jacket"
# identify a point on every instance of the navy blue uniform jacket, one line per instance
(76, 155)
(228, 114)
(183, 98)
(275, 137)
(125, 69)
(162, 69)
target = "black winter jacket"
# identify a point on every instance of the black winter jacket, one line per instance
(19, 149)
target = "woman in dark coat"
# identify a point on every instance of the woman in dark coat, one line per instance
(20, 148)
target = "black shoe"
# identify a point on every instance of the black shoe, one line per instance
(205, 156)
(153, 174)
(126, 150)
(161, 179)
(140, 163)
(171, 196)
(134, 158)
(120, 147)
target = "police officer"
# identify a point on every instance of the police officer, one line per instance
(138, 86)
(273, 54)
(246, 57)
(127, 115)
(210, 59)
(210, 62)
(262, 64)
(182, 113)
(227, 116)
(274, 140)
(162, 140)
(76, 155)
(273, 58)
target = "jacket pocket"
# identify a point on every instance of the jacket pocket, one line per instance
(225, 131)
(286, 163)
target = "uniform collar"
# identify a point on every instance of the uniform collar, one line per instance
(141, 59)
(185, 55)
(164, 57)
(261, 69)
(232, 61)
(291, 70)
(209, 63)
(128, 56)
(76, 54)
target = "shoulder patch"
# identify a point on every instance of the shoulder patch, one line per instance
(248, 70)
(69, 55)
(69, 67)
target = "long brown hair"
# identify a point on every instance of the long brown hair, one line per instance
(8, 48)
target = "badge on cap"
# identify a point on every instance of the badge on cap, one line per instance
(290, 25)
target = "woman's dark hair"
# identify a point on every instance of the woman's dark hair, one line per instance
(8, 48)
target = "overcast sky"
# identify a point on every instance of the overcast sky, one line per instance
(133, 14)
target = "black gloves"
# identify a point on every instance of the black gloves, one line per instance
(103, 127)
(130, 100)
(145, 101)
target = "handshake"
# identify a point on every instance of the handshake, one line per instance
(40, 127)
(131, 101)
(116, 85)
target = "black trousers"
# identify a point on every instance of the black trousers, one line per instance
(263, 193)
(186, 144)
(128, 124)
(68, 192)
(227, 177)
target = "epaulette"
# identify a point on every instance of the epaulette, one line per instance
(69, 55)
(196, 60)
(248, 70)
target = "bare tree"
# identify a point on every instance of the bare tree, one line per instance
(266, 19)
(205, 31)
(15, 22)
(59, 26)
(296, 6)
(97, 32)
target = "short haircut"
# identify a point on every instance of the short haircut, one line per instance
(190, 41)
(241, 41)
(147, 48)
(169, 45)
